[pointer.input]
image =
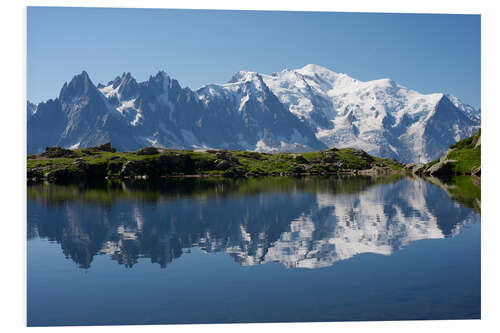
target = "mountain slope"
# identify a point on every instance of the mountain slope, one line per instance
(251, 113)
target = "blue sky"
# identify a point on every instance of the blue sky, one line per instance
(426, 52)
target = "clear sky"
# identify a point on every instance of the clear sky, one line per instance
(426, 52)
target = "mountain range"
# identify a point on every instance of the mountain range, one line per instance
(311, 108)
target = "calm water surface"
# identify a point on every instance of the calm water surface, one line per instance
(257, 250)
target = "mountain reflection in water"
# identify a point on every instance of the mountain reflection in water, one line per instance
(299, 222)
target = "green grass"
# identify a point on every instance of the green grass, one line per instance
(31, 163)
(464, 154)
(268, 166)
(313, 156)
(467, 160)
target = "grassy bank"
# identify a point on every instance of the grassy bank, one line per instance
(463, 158)
(104, 162)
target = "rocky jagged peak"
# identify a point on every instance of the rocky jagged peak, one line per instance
(128, 86)
(80, 85)
(158, 81)
(31, 108)
(160, 76)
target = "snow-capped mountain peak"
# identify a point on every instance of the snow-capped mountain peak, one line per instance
(380, 116)
(245, 76)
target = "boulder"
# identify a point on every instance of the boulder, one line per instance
(225, 155)
(299, 158)
(106, 147)
(147, 151)
(441, 168)
(53, 152)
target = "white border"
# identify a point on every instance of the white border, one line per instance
(12, 166)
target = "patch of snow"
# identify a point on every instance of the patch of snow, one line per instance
(126, 105)
(109, 91)
(138, 117)
(75, 146)
(244, 100)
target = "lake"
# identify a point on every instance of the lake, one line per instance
(253, 250)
